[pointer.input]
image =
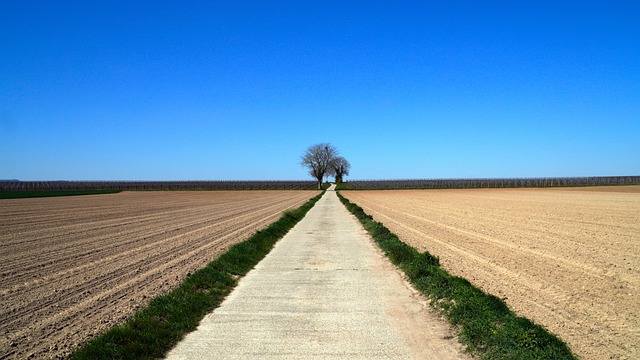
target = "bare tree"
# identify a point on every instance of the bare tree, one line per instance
(319, 159)
(340, 168)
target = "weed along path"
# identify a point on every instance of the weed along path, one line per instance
(325, 292)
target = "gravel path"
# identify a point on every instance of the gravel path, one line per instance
(325, 291)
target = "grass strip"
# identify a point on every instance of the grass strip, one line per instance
(154, 330)
(343, 186)
(488, 328)
(51, 193)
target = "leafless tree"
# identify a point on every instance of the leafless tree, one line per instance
(319, 159)
(340, 168)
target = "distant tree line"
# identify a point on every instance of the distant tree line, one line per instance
(155, 185)
(492, 183)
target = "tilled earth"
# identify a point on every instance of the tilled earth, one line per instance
(567, 258)
(72, 267)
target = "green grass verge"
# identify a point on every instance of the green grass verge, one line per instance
(343, 186)
(486, 325)
(154, 330)
(50, 193)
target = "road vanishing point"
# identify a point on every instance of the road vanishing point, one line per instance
(325, 291)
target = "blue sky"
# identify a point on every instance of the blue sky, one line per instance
(206, 90)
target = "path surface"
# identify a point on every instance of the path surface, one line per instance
(324, 292)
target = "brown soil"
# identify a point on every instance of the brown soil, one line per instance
(567, 258)
(72, 267)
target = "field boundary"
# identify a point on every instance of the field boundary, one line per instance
(155, 329)
(487, 327)
(52, 193)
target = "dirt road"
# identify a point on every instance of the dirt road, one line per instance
(74, 266)
(567, 258)
(324, 292)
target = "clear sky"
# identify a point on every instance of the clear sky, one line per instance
(217, 90)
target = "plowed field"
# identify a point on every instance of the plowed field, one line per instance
(74, 266)
(567, 258)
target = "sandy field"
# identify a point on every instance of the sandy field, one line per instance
(72, 267)
(567, 258)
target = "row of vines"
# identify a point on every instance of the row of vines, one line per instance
(491, 183)
(306, 185)
(155, 185)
